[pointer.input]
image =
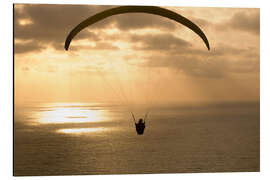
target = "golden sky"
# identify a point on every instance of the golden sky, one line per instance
(136, 55)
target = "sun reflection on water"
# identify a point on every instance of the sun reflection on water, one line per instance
(80, 130)
(72, 118)
(68, 113)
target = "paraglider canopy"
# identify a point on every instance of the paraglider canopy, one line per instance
(136, 9)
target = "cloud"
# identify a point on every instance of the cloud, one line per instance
(190, 66)
(244, 66)
(97, 46)
(246, 21)
(52, 23)
(173, 45)
(159, 42)
(220, 63)
(32, 46)
(201, 22)
(139, 21)
(90, 36)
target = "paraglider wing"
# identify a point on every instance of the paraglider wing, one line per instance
(136, 9)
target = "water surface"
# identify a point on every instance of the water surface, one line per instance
(91, 138)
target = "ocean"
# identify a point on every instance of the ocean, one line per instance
(96, 138)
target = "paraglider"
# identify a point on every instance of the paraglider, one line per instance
(140, 125)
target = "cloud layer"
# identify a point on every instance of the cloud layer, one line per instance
(151, 41)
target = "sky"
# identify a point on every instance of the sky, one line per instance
(136, 57)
